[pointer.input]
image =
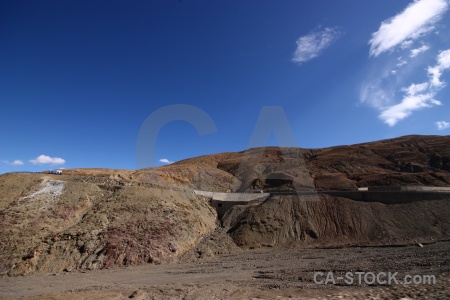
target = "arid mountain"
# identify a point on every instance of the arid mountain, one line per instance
(409, 160)
(100, 218)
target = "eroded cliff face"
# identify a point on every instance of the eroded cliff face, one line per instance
(56, 223)
(325, 221)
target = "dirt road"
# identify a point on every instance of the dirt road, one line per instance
(258, 274)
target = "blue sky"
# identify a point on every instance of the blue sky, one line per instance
(78, 79)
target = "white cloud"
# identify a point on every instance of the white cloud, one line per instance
(312, 45)
(417, 51)
(381, 93)
(415, 21)
(435, 76)
(44, 159)
(402, 31)
(435, 72)
(16, 162)
(401, 63)
(377, 93)
(415, 89)
(441, 125)
(406, 44)
(391, 115)
(165, 161)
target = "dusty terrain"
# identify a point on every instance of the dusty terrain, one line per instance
(258, 274)
(98, 220)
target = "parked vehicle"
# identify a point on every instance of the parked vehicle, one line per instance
(57, 172)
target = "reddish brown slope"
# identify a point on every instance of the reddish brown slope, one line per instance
(409, 160)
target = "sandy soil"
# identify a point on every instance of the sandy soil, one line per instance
(269, 273)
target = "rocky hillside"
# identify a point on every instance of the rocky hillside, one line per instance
(90, 219)
(100, 218)
(325, 221)
(409, 160)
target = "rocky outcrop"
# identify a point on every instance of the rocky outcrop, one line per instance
(325, 221)
(95, 223)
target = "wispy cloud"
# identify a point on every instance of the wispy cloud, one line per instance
(391, 87)
(392, 114)
(165, 161)
(312, 45)
(415, 89)
(421, 95)
(406, 44)
(435, 72)
(417, 51)
(441, 125)
(415, 21)
(379, 92)
(16, 162)
(44, 159)
(401, 62)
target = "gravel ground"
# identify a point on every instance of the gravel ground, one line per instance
(268, 273)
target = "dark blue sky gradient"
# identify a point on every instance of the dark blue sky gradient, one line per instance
(78, 78)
